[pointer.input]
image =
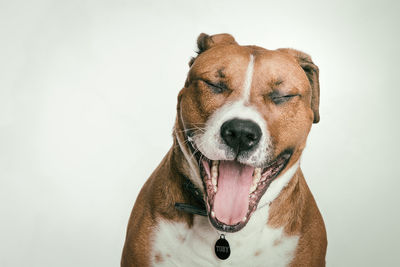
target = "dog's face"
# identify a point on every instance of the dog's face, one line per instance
(244, 116)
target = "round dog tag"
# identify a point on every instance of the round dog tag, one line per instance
(222, 249)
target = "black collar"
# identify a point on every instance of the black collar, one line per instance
(191, 188)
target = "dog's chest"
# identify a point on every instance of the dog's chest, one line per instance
(177, 245)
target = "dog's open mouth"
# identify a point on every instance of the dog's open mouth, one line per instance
(233, 190)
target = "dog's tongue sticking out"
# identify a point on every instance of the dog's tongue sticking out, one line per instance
(232, 198)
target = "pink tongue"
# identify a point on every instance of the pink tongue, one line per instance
(232, 199)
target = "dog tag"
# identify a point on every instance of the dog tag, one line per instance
(222, 249)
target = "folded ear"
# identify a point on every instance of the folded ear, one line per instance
(205, 42)
(312, 73)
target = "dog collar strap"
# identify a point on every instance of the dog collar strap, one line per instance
(189, 187)
(190, 209)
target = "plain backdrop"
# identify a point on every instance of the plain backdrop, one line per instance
(88, 92)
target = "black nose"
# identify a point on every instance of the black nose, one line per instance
(241, 135)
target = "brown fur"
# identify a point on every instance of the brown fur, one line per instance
(222, 61)
(296, 210)
(156, 200)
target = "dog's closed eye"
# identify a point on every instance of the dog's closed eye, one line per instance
(217, 88)
(278, 99)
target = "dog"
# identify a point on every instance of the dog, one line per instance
(230, 191)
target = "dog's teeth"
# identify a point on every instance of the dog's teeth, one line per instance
(256, 179)
(252, 188)
(214, 168)
(244, 219)
(264, 178)
(215, 189)
(213, 214)
(266, 174)
(214, 173)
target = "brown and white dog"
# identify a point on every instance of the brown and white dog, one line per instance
(242, 122)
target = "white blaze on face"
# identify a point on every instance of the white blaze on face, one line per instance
(210, 142)
(247, 81)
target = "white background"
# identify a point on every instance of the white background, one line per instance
(87, 104)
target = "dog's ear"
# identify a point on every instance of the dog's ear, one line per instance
(312, 73)
(205, 42)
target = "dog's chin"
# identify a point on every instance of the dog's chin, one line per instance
(233, 190)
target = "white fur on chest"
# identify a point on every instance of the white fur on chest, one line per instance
(174, 244)
(177, 245)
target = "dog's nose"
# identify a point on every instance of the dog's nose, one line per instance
(241, 135)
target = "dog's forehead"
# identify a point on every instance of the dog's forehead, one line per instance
(229, 57)
(233, 60)
(278, 67)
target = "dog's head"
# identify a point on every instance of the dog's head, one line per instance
(243, 119)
